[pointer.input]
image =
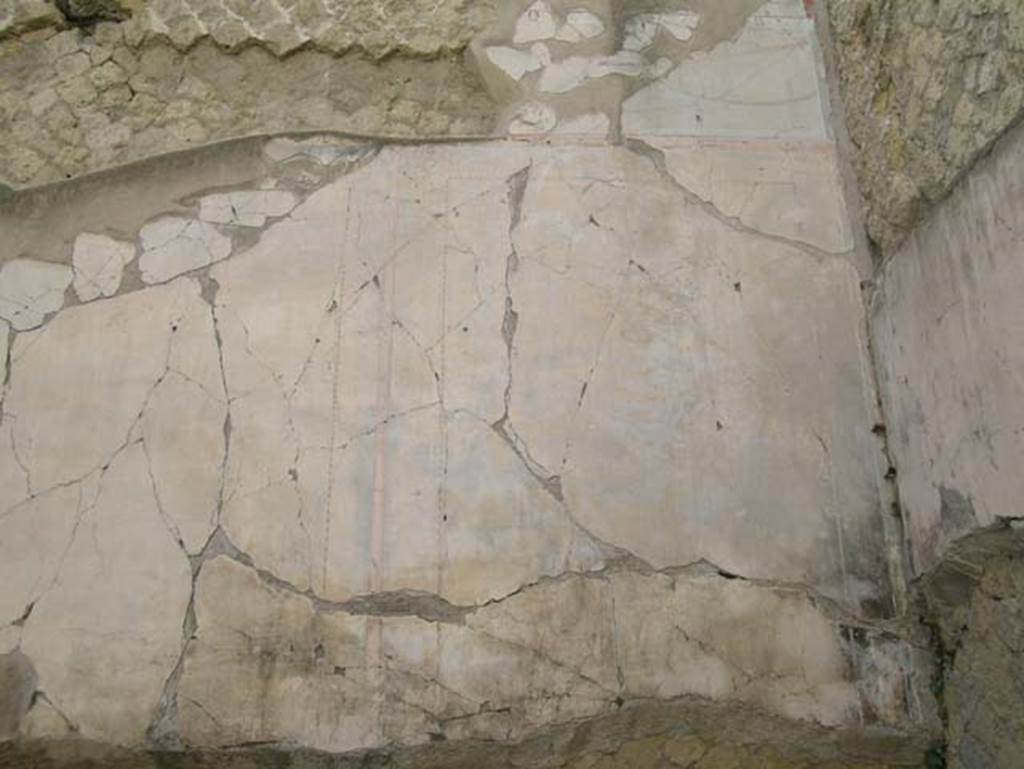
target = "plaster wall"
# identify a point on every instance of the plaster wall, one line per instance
(339, 444)
(949, 335)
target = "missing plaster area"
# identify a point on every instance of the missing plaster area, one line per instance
(974, 601)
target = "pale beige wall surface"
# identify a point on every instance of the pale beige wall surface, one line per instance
(342, 444)
(950, 338)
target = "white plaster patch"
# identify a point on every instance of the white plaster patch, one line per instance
(580, 24)
(99, 261)
(30, 290)
(641, 30)
(532, 118)
(536, 23)
(515, 63)
(174, 245)
(246, 208)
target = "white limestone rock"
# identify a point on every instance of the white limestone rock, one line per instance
(246, 208)
(174, 245)
(99, 261)
(30, 290)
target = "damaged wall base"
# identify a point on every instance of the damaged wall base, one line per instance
(684, 734)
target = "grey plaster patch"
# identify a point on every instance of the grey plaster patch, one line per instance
(17, 687)
(956, 510)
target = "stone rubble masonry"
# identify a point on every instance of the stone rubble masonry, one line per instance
(948, 337)
(974, 599)
(928, 86)
(76, 99)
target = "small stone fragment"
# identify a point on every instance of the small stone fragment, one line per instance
(30, 290)
(99, 261)
(580, 24)
(536, 23)
(514, 63)
(246, 208)
(175, 245)
(685, 751)
(680, 24)
(23, 16)
(533, 118)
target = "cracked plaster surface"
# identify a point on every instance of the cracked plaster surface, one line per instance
(370, 465)
(459, 441)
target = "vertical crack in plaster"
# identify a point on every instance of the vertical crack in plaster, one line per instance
(551, 483)
(209, 295)
(164, 732)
